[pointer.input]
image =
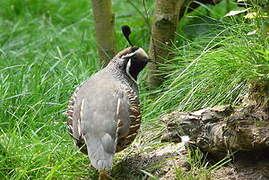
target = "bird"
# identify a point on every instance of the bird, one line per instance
(104, 111)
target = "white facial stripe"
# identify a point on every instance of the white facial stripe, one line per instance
(142, 53)
(129, 55)
(138, 51)
(128, 70)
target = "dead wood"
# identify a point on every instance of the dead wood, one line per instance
(221, 129)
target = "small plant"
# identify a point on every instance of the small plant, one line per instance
(199, 168)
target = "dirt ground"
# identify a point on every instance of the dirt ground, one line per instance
(247, 166)
(156, 160)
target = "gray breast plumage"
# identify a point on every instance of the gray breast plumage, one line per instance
(104, 116)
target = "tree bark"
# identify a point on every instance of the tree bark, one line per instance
(104, 27)
(221, 129)
(162, 33)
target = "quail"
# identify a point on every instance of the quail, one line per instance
(104, 113)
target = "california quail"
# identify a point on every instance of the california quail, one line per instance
(104, 113)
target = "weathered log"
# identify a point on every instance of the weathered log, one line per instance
(220, 129)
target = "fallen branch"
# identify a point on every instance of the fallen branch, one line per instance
(220, 129)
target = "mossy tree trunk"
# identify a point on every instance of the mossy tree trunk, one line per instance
(163, 30)
(104, 27)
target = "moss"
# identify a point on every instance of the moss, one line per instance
(261, 124)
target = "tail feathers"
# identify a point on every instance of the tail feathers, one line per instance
(102, 164)
(99, 157)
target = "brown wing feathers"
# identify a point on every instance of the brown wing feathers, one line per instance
(135, 120)
(74, 118)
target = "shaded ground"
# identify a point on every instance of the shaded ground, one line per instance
(159, 161)
(165, 160)
(247, 166)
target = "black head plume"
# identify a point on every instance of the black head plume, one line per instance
(126, 30)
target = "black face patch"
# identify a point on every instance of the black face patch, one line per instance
(137, 65)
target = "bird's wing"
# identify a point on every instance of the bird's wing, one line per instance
(74, 120)
(127, 136)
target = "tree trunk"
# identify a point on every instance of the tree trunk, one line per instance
(104, 27)
(162, 33)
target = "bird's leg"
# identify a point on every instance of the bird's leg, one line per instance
(103, 175)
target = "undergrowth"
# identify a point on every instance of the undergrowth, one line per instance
(216, 67)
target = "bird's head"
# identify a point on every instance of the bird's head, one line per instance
(131, 60)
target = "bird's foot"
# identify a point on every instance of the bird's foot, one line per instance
(103, 175)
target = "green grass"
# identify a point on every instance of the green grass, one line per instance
(216, 66)
(45, 52)
(200, 168)
(47, 48)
